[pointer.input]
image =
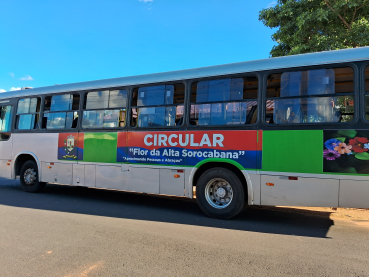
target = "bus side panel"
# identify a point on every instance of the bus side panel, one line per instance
(42, 145)
(110, 177)
(144, 179)
(60, 173)
(255, 183)
(299, 191)
(5, 156)
(354, 194)
(172, 182)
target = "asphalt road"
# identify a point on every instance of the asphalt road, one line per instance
(73, 231)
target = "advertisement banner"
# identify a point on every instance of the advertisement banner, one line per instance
(188, 148)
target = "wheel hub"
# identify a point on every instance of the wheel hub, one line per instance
(29, 176)
(221, 192)
(218, 193)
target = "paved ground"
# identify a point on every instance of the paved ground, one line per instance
(71, 231)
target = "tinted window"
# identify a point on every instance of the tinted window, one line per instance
(64, 102)
(28, 105)
(106, 99)
(61, 120)
(61, 112)
(118, 99)
(61, 103)
(28, 113)
(105, 109)
(231, 101)
(5, 122)
(157, 106)
(333, 102)
(27, 121)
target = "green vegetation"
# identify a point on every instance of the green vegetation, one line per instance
(306, 26)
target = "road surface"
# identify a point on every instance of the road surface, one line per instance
(74, 231)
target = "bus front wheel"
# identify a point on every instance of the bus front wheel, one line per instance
(220, 193)
(29, 177)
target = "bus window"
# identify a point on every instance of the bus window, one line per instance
(28, 113)
(230, 101)
(158, 106)
(105, 109)
(290, 98)
(61, 112)
(5, 122)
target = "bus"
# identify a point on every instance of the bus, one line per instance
(286, 131)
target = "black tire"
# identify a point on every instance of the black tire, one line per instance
(29, 177)
(217, 185)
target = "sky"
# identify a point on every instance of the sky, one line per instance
(45, 42)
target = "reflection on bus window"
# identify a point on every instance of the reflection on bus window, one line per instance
(158, 106)
(168, 116)
(118, 98)
(5, 122)
(61, 103)
(106, 99)
(61, 112)
(61, 120)
(64, 102)
(231, 101)
(27, 121)
(155, 95)
(28, 105)
(104, 118)
(28, 113)
(105, 109)
(302, 108)
(231, 89)
(314, 110)
(311, 82)
(232, 113)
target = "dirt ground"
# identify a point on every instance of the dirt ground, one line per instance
(357, 216)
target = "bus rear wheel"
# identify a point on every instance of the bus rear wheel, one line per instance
(220, 193)
(29, 177)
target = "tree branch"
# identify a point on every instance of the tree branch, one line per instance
(353, 17)
(343, 20)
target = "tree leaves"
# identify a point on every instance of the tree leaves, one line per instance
(317, 25)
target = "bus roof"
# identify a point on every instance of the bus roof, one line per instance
(319, 58)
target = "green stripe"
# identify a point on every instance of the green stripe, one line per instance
(100, 147)
(219, 160)
(297, 151)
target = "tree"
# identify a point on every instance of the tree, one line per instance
(317, 25)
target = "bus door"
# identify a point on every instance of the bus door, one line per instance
(5, 140)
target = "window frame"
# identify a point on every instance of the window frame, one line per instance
(231, 126)
(43, 98)
(355, 94)
(9, 103)
(184, 104)
(83, 101)
(38, 127)
(363, 92)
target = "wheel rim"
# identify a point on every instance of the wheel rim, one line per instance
(218, 193)
(29, 176)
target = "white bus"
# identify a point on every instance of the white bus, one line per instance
(282, 131)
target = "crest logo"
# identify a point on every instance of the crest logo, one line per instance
(70, 146)
(70, 143)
